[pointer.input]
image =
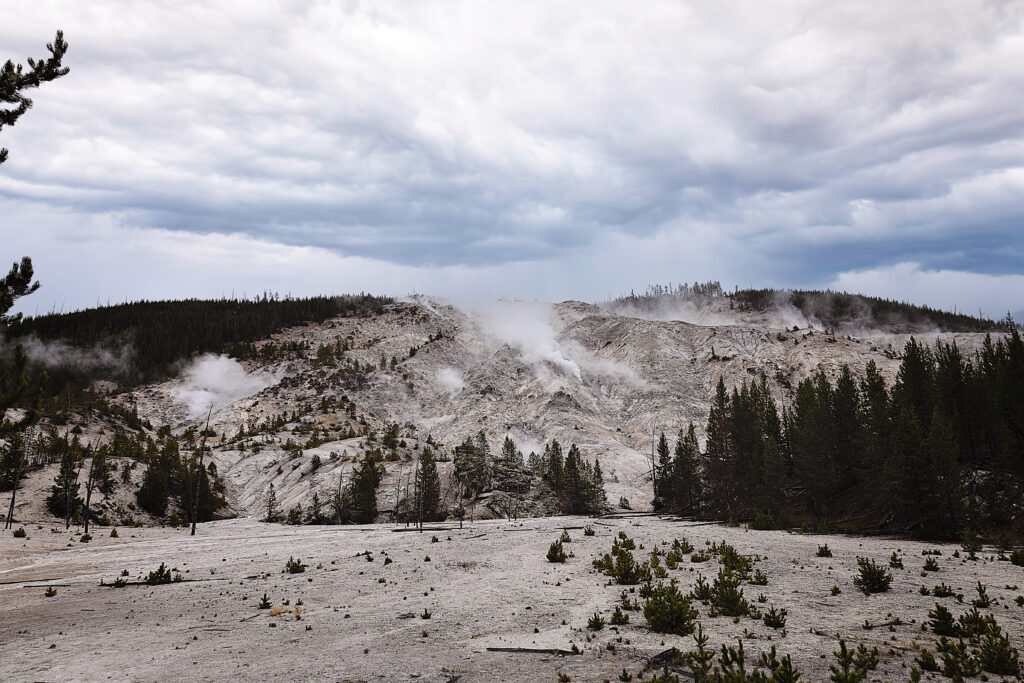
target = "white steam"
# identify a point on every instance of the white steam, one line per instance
(450, 380)
(212, 381)
(57, 354)
(528, 328)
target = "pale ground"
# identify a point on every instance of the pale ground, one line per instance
(487, 585)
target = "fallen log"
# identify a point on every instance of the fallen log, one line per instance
(536, 650)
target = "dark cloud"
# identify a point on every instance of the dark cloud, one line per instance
(791, 145)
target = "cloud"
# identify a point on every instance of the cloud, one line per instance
(528, 149)
(212, 381)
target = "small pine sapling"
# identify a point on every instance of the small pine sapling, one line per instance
(872, 577)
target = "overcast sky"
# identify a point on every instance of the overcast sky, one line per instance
(520, 149)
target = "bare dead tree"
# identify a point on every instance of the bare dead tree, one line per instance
(199, 474)
(96, 469)
(17, 481)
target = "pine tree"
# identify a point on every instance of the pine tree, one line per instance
(64, 500)
(153, 494)
(662, 467)
(431, 487)
(718, 455)
(361, 506)
(272, 508)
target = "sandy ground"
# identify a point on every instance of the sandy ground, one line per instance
(487, 585)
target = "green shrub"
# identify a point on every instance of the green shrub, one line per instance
(264, 603)
(113, 533)
(1017, 557)
(293, 566)
(973, 624)
(926, 660)
(20, 532)
(85, 538)
(895, 561)
(667, 610)
(971, 543)
(824, 551)
(957, 662)
(872, 578)
(556, 553)
(589, 531)
(701, 590)
(565, 538)
(727, 596)
(774, 618)
(941, 622)
(942, 591)
(930, 565)
(161, 575)
(759, 578)
(983, 600)
(782, 670)
(50, 592)
(997, 656)
(866, 659)
(845, 670)
(596, 622)
(619, 618)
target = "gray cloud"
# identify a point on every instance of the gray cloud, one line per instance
(444, 143)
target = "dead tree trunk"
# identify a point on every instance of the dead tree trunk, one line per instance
(14, 492)
(90, 482)
(199, 474)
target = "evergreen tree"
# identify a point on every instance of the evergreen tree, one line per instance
(361, 506)
(153, 495)
(272, 508)
(14, 81)
(431, 487)
(720, 466)
(64, 500)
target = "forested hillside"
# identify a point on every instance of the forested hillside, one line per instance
(156, 335)
(939, 452)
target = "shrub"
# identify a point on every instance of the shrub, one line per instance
(624, 503)
(426, 614)
(866, 659)
(667, 610)
(930, 565)
(872, 578)
(983, 599)
(895, 561)
(682, 546)
(941, 622)
(113, 533)
(836, 590)
(565, 538)
(759, 579)
(774, 618)
(973, 624)
(845, 670)
(997, 656)
(161, 575)
(556, 553)
(942, 591)
(619, 618)
(50, 592)
(1017, 557)
(588, 531)
(264, 603)
(782, 670)
(701, 590)
(20, 532)
(926, 660)
(971, 543)
(727, 596)
(85, 538)
(293, 566)
(596, 622)
(957, 662)
(824, 551)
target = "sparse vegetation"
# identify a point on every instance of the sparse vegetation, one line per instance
(293, 566)
(556, 553)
